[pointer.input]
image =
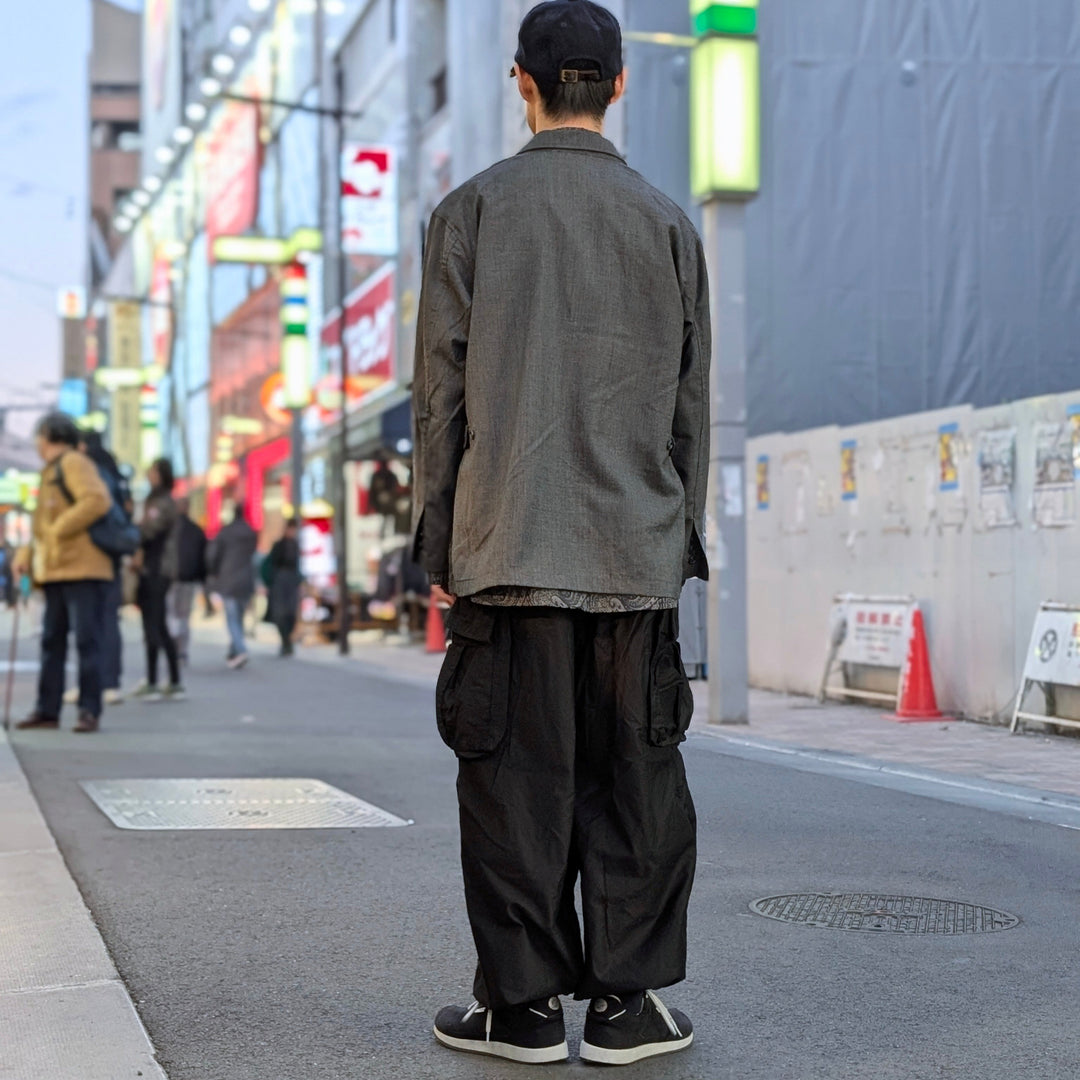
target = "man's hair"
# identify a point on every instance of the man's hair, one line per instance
(165, 473)
(58, 428)
(565, 101)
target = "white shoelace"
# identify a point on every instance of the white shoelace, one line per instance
(661, 1008)
(473, 1010)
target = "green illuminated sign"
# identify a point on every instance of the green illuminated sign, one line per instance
(725, 118)
(734, 17)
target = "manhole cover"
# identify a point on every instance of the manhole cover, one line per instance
(883, 914)
(234, 804)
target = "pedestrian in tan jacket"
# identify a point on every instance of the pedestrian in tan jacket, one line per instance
(71, 569)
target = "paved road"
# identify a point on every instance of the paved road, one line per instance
(324, 954)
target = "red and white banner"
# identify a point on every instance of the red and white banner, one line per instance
(370, 336)
(232, 173)
(369, 203)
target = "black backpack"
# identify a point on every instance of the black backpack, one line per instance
(114, 532)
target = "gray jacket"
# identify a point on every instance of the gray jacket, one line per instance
(561, 392)
(230, 560)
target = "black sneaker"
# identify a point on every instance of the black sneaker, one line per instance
(532, 1034)
(622, 1030)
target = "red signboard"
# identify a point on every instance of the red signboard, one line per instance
(232, 179)
(370, 336)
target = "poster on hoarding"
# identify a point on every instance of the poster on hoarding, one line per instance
(1054, 497)
(370, 337)
(849, 484)
(997, 477)
(763, 482)
(1074, 425)
(369, 201)
(949, 469)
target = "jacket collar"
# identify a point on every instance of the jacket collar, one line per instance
(572, 139)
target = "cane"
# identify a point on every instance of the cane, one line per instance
(12, 653)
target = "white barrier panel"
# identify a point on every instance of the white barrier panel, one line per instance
(1053, 659)
(873, 631)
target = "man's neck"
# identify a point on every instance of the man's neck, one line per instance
(580, 122)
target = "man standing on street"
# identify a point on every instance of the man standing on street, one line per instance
(562, 415)
(73, 571)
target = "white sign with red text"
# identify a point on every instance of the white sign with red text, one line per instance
(877, 632)
(369, 337)
(369, 200)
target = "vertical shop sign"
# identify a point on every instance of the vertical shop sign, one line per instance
(369, 203)
(370, 336)
(849, 484)
(125, 427)
(160, 314)
(125, 335)
(232, 179)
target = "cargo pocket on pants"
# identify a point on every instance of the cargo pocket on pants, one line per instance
(472, 695)
(671, 701)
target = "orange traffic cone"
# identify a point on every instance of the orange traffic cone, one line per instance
(436, 631)
(917, 698)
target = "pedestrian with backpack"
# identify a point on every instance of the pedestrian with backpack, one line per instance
(112, 645)
(71, 568)
(157, 570)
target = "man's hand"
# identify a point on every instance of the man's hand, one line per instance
(441, 597)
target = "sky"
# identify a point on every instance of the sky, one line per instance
(43, 189)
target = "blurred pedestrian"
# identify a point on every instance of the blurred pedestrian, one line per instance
(9, 587)
(157, 570)
(564, 505)
(190, 543)
(231, 562)
(284, 580)
(72, 570)
(112, 644)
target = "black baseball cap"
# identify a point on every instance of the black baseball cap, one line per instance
(569, 41)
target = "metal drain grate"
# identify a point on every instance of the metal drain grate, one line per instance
(884, 914)
(234, 804)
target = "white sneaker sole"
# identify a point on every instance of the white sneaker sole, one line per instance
(544, 1055)
(601, 1055)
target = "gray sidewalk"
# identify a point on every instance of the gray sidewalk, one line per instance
(64, 1013)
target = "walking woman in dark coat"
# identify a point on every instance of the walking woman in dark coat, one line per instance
(284, 582)
(157, 571)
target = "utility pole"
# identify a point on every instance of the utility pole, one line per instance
(344, 619)
(725, 174)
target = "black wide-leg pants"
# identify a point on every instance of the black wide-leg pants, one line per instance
(567, 728)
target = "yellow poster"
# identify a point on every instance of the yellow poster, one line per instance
(849, 484)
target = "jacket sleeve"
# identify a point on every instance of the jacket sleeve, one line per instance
(91, 499)
(442, 340)
(690, 430)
